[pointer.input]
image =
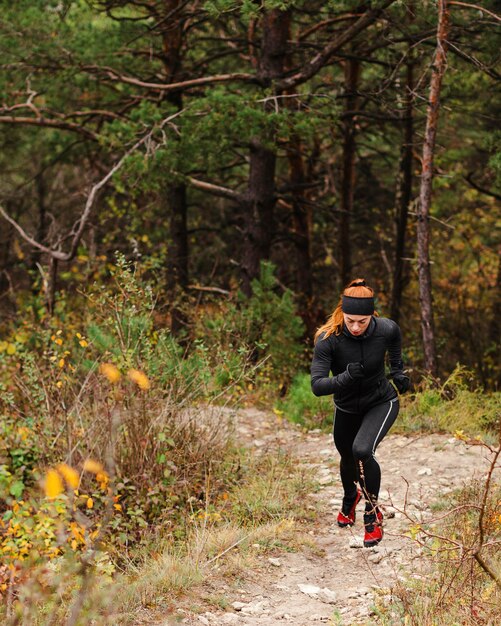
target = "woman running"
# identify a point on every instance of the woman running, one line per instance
(353, 345)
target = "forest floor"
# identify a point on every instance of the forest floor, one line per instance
(331, 578)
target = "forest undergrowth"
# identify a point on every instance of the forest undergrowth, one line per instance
(122, 482)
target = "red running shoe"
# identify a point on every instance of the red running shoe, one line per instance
(373, 522)
(347, 514)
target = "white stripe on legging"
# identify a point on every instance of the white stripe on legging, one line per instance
(382, 426)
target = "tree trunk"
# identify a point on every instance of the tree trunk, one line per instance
(423, 211)
(259, 203)
(352, 73)
(301, 219)
(495, 330)
(403, 194)
(175, 193)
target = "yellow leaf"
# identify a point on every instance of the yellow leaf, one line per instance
(11, 348)
(140, 378)
(59, 384)
(110, 371)
(70, 475)
(103, 479)
(118, 507)
(83, 343)
(90, 503)
(59, 341)
(92, 466)
(61, 363)
(53, 484)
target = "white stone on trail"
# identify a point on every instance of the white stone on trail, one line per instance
(425, 471)
(309, 590)
(375, 558)
(258, 607)
(356, 542)
(238, 606)
(325, 452)
(275, 562)
(203, 620)
(327, 595)
(230, 618)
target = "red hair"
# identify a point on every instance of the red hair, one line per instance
(335, 322)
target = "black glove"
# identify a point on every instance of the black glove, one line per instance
(355, 370)
(402, 382)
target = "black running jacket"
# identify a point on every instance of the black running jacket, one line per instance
(332, 354)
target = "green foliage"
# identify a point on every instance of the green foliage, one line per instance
(454, 406)
(264, 329)
(302, 407)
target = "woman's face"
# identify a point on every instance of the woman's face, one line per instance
(356, 324)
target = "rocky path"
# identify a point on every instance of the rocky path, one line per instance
(335, 583)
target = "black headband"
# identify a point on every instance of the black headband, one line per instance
(358, 306)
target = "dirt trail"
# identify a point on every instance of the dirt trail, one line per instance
(334, 583)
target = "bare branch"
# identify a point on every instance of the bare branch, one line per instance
(223, 292)
(82, 222)
(477, 7)
(48, 123)
(217, 190)
(318, 61)
(487, 192)
(167, 87)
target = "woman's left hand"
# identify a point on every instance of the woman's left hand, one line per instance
(402, 382)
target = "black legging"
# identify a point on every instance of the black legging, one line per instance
(356, 437)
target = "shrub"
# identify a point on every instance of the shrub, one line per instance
(453, 406)
(457, 578)
(302, 407)
(261, 330)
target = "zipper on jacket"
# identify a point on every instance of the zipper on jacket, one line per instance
(361, 380)
(360, 383)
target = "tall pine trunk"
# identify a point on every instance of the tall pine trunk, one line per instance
(423, 210)
(175, 196)
(302, 218)
(352, 73)
(259, 203)
(404, 191)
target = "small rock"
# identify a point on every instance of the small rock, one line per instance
(424, 471)
(325, 480)
(356, 542)
(309, 590)
(203, 620)
(327, 595)
(376, 558)
(275, 562)
(325, 452)
(230, 618)
(238, 606)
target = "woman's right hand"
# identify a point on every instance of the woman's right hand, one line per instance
(355, 370)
